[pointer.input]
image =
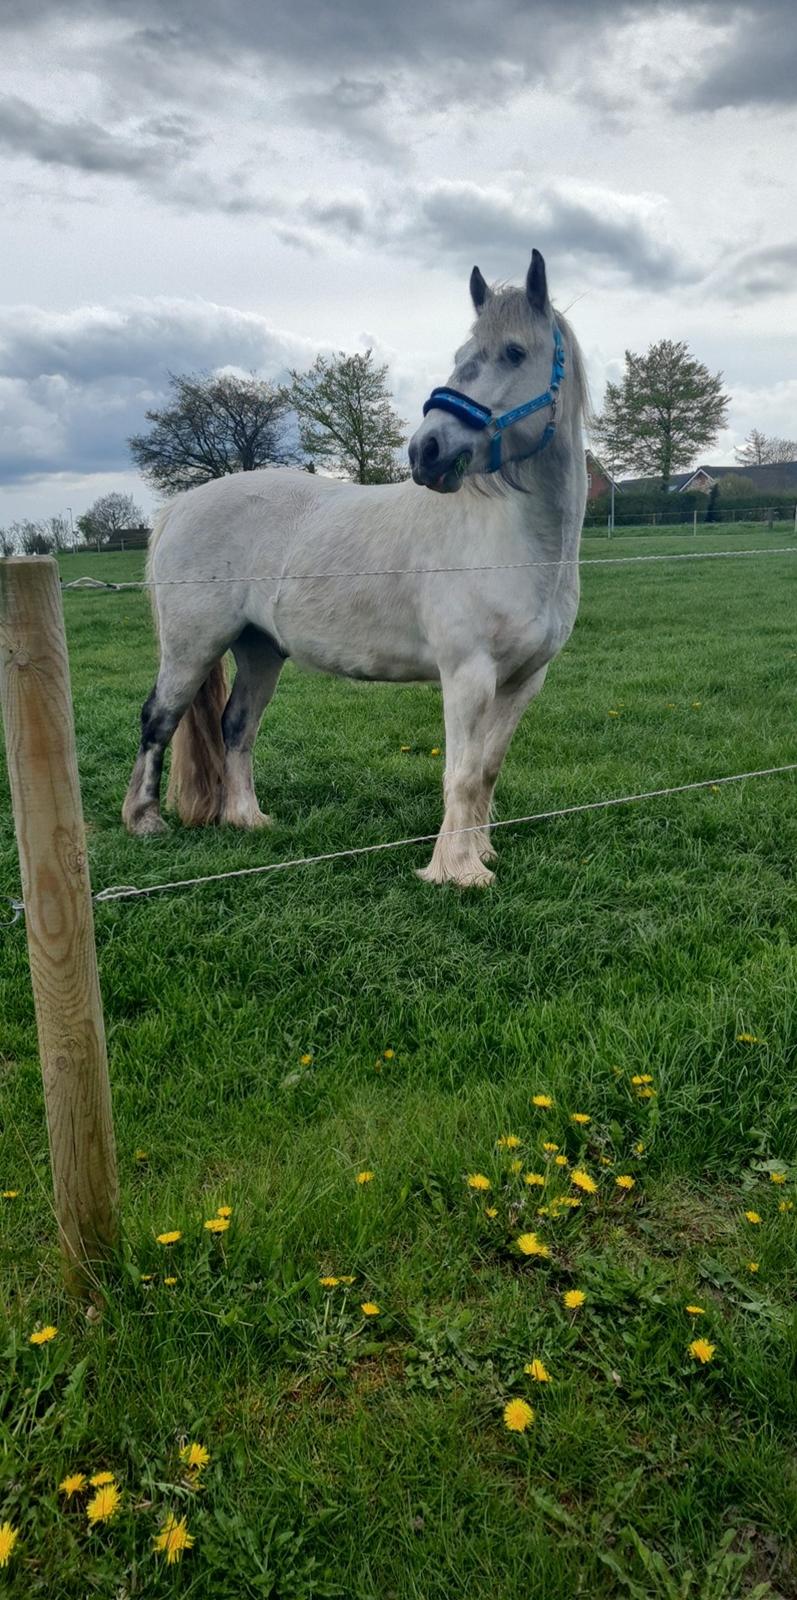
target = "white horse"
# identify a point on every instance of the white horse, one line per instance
(474, 585)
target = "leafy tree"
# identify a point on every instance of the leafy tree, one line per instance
(760, 451)
(346, 418)
(214, 425)
(109, 516)
(666, 409)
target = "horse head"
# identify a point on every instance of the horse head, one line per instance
(499, 404)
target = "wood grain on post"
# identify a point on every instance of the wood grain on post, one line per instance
(48, 816)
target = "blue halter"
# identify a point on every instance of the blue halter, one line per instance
(478, 416)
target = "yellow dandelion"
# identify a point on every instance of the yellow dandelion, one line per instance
(99, 1480)
(43, 1335)
(542, 1100)
(10, 1194)
(646, 1094)
(508, 1141)
(104, 1504)
(752, 1266)
(753, 1216)
(224, 1211)
(216, 1224)
(435, 751)
(538, 1371)
(639, 1148)
(573, 1298)
(571, 1200)
(516, 1166)
(785, 1205)
(605, 1161)
(701, 1350)
(696, 1311)
(346, 1280)
(777, 1177)
(72, 1484)
(582, 1180)
(543, 1211)
(491, 1211)
(530, 1245)
(477, 1180)
(329, 1283)
(170, 1282)
(369, 1308)
(550, 1146)
(405, 749)
(625, 1181)
(560, 1161)
(169, 1238)
(305, 1061)
(641, 1077)
(581, 1118)
(8, 1538)
(365, 1177)
(194, 1456)
(141, 1155)
(173, 1539)
(518, 1415)
(534, 1180)
(146, 1277)
(614, 713)
(388, 1054)
(748, 1038)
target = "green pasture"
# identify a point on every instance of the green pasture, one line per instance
(272, 1038)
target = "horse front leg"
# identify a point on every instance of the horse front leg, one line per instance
(507, 709)
(468, 695)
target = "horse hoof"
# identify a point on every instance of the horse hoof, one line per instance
(246, 819)
(488, 853)
(145, 826)
(467, 878)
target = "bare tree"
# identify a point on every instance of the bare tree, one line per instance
(7, 542)
(109, 516)
(33, 538)
(759, 451)
(666, 408)
(214, 425)
(346, 418)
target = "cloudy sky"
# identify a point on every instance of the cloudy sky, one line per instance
(188, 187)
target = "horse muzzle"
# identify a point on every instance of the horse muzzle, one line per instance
(433, 470)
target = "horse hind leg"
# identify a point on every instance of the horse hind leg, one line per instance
(176, 687)
(259, 664)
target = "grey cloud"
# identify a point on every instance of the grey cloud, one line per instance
(759, 274)
(85, 145)
(74, 386)
(458, 222)
(353, 111)
(756, 65)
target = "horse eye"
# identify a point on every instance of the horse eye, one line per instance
(515, 353)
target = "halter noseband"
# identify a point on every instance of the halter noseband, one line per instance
(480, 417)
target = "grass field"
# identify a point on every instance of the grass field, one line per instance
(367, 1456)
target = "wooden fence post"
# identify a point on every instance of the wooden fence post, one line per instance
(48, 817)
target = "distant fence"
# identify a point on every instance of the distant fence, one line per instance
(690, 519)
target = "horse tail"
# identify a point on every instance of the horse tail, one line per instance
(197, 767)
(196, 775)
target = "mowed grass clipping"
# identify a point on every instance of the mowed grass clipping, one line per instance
(311, 1069)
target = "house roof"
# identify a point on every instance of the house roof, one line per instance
(776, 477)
(591, 456)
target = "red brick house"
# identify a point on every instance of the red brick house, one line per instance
(598, 479)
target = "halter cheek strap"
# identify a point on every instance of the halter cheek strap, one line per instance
(481, 417)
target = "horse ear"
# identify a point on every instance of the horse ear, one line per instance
(479, 291)
(537, 283)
